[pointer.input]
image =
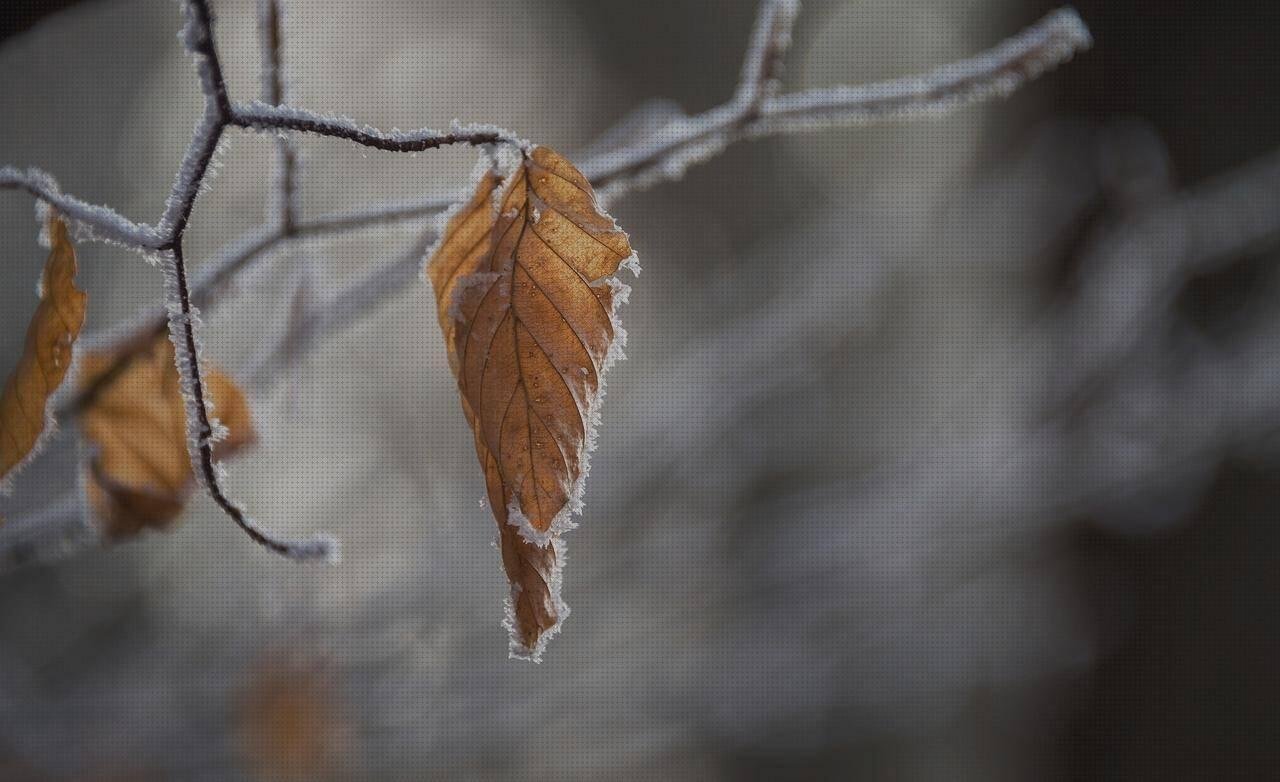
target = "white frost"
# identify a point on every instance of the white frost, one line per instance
(516, 648)
(87, 221)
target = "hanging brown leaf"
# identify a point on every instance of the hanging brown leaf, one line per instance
(526, 299)
(45, 357)
(140, 475)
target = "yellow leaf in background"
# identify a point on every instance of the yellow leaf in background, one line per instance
(140, 474)
(53, 330)
(525, 296)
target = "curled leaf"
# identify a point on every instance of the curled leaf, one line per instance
(53, 330)
(526, 298)
(140, 474)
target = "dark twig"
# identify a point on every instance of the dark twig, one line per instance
(183, 315)
(259, 116)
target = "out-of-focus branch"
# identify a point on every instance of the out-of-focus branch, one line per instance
(220, 271)
(56, 530)
(755, 112)
(314, 321)
(271, 36)
(1154, 408)
(770, 40)
(1133, 273)
(992, 74)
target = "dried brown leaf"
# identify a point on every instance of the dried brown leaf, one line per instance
(45, 357)
(526, 299)
(140, 475)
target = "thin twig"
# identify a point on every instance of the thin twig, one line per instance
(992, 74)
(339, 310)
(256, 115)
(183, 315)
(995, 73)
(201, 433)
(770, 40)
(103, 223)
(134, 336)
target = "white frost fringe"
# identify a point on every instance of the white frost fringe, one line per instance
(516, 649)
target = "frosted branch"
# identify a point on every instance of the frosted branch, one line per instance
(993, 74)
(201, 429)
(101, 222)
(183, 317)
(312, 323)
(662, 155)
(197, 36)
(754, 112)
(762, 66)
(256, 115)
(188, 182)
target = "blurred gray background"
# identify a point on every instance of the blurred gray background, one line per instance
(943, 451)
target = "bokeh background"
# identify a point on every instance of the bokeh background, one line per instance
(943, 450)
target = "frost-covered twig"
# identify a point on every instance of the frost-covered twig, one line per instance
(101, 222)
(256, 115)
(216, 274)
(993, 74)
(762, 67)
(202, 431)
(313, 322)
(667, 152)
(755, 110)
